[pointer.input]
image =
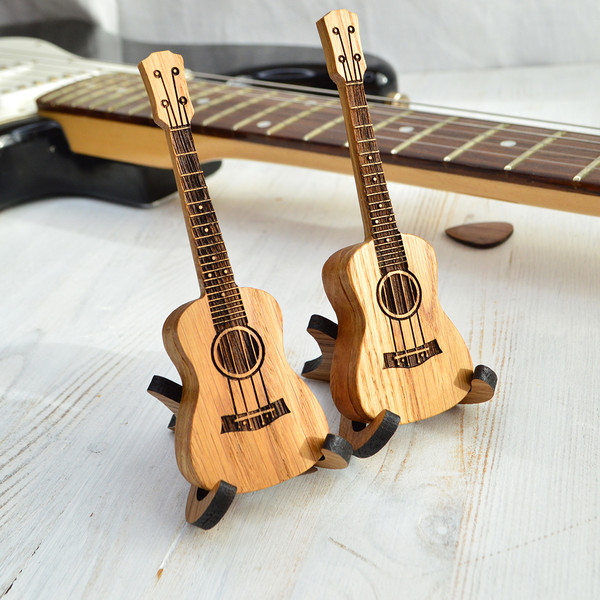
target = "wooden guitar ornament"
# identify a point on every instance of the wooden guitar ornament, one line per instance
(396, 358)
(245, 420)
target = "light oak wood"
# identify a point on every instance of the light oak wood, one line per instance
(395, 349)
(245, 417)
(360, 385)
(253, 460)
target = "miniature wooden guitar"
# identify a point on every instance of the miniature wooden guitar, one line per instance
(245, 417)
(396, 349)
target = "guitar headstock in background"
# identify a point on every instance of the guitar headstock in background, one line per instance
(340, 38)
(164, 78)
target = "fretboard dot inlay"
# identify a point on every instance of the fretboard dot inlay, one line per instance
(206, 230)
(263, 124)
(214, 258)
(406, 129)
(508, 143)
(380, 205)
(369, 157)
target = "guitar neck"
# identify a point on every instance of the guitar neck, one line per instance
(212, 261)
(376, 207)
(162, 74)
(546, 167)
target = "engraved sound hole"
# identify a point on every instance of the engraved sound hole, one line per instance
(238, 352)
(399, 294)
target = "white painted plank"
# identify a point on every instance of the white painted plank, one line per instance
(490, 501)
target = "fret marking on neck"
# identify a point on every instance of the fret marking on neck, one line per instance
(214, 268)
(587, 170)
(220, 100)
(68, 94)
(300, 115)
(421, 135)
(391, 119)
(267, 111)
(480, 138)
(315, 132)
(545, 142)
(145, 106)
(236, 107)
(124, 91)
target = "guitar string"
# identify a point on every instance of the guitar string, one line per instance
(218, 240)
(245, 365)
(412, 119)
(586, 160)
(359, 119)
(85, 64)
(389, 109)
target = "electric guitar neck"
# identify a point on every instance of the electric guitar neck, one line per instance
(549, 166)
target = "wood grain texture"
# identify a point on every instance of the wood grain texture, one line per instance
(395, 349)
(481, 502)
(245, 418)
(249, 460)
(360, 384)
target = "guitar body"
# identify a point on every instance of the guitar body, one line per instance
(255, 429)
(416, 366)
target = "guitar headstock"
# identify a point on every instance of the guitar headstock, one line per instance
(340, 39)
(164, 78)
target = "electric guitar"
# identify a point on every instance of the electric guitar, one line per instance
(30, 68)
(395, 349)
(245, 416)
(495, 157)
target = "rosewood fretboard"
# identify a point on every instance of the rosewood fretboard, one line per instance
(561, 167)
(214, 268)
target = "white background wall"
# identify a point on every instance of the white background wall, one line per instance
(414, 35)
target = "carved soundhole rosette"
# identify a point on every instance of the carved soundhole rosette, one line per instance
(399, 294)
(238, 352)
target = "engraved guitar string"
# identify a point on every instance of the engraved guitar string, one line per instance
(396, 295)
(580, 169)
(179, 126)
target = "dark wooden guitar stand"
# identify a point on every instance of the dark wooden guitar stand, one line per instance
(205, 508)
(368, 438)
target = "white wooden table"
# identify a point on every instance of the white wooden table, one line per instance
(493, 501)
